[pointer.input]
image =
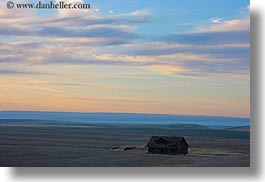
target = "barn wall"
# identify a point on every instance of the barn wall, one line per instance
(162, 150)
(178, 150)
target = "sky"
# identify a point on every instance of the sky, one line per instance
(168, 57)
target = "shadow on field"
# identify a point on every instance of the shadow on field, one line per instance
(252, 172)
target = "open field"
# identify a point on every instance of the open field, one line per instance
(55, 143)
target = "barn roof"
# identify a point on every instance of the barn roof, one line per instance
(165, 141)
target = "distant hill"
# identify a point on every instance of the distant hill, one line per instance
(242, 128)
(67, 124)
(187, 126)
(132, 118)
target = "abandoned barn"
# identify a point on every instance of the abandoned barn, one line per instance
(167, 145)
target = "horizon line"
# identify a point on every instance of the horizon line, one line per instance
(104, 112)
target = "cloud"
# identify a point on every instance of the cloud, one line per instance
(207, 54)
(15, 52)
(210, 37)
(218, 50)
(96, 32)
(139, 16)
(71, 12)
(17, 72)
(216, 20)
(90, 19)
(228, 25)
(45, 83)
(112, 30)
(166, 48)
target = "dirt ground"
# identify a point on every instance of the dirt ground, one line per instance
(49, 143)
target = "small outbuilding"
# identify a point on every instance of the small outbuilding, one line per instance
(167, 145)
